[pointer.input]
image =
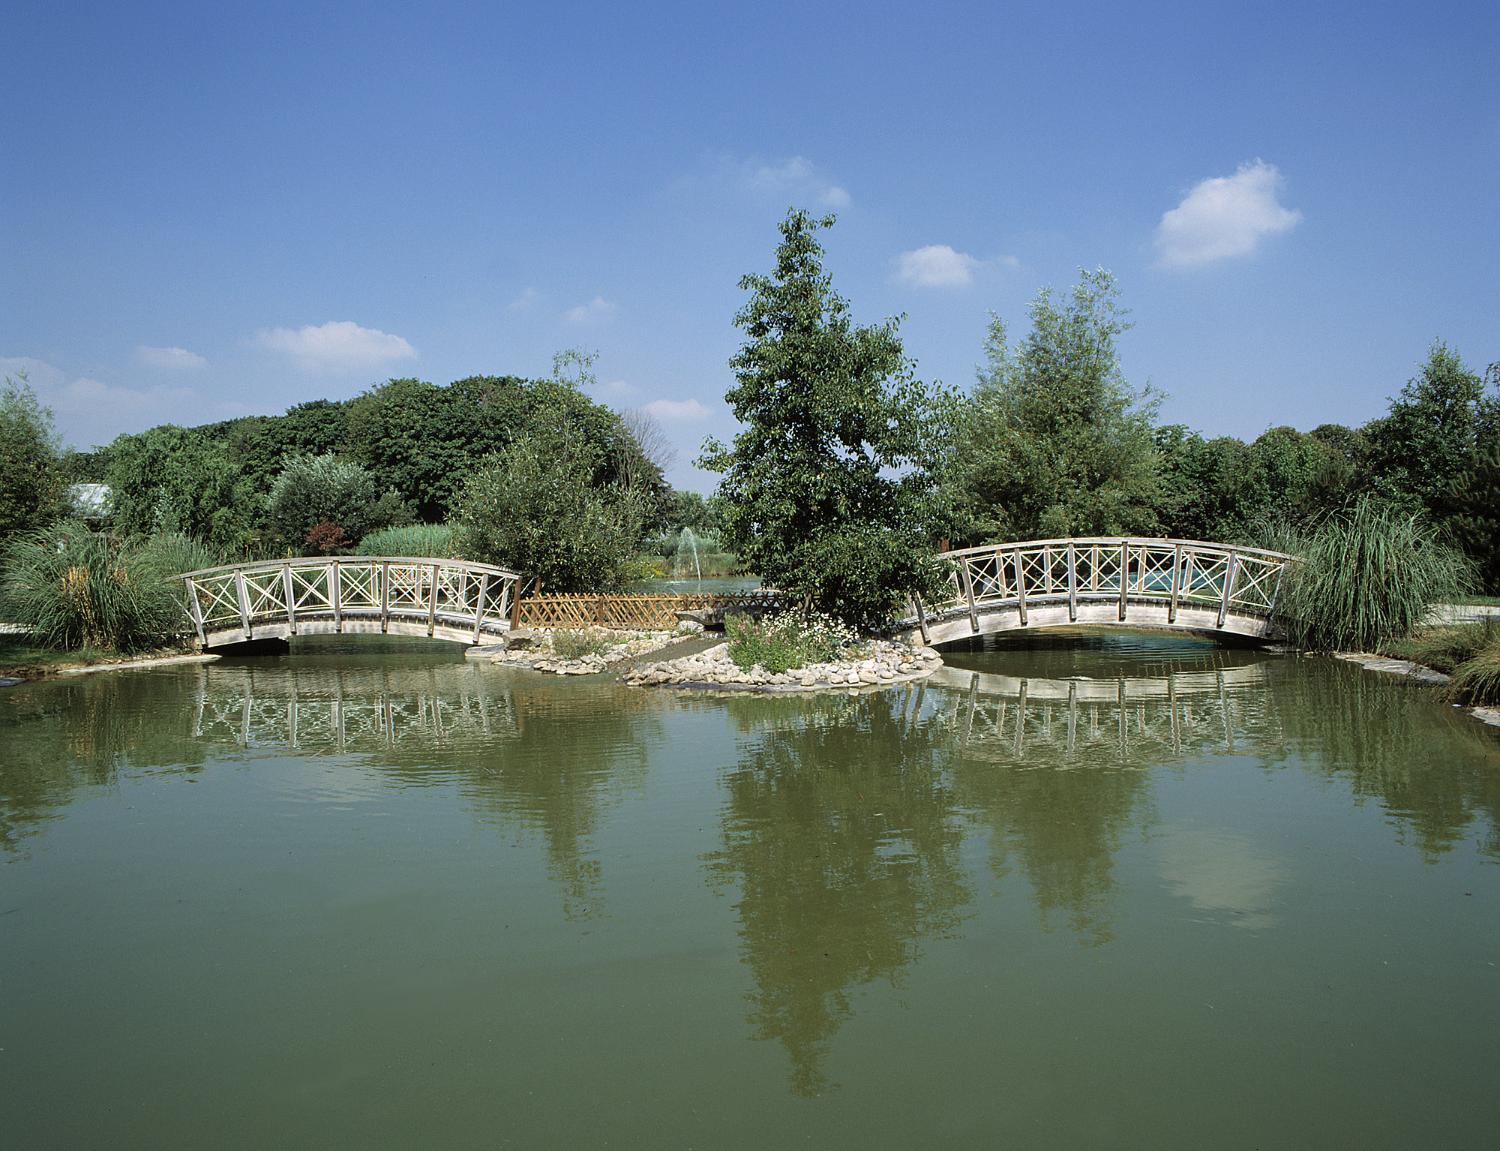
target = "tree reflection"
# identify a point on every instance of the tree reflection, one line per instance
(840, 838)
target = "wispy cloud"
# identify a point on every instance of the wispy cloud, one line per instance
(1224, 217)
(936, 266)
(797, 177)
(169, 359)
(525, 301)
(337, 346)
(596, 311)
(676, 411)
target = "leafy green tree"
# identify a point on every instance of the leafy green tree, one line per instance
(326, 492)
(539, 508)
(1055, 442)
(171, 479)
(828, 491)
(31, 480)
(1471, 505)
(1434, 430)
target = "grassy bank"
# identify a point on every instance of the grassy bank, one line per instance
(22, 659)
(1469, 653)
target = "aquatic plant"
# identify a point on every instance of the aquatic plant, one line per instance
(1369, 573)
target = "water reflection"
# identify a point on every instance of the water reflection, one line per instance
(841, 841)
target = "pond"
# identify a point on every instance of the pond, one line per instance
(1120, 891)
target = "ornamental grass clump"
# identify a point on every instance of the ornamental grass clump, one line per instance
(786, 641)
(79, 589)
(433, 541)
(1368, 574)
(1476, 681)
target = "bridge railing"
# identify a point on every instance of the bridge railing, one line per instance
(451, 594)
(1104, 569)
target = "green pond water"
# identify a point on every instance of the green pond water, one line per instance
(1109, 892)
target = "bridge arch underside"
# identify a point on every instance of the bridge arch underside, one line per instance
(454, 631)
(1152, 615)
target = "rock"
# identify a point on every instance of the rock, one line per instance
(523, 640)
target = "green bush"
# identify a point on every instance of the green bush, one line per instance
(78, 589)
(418, 540)
(567, 644)
(1369, 574)
(785, 642)
(323, 493)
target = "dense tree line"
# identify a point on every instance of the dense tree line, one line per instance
(399, 452)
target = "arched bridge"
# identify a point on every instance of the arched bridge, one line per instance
(440, 599)
(1103, 580)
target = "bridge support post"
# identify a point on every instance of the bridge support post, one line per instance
(196, 609)
(1124, 577)
(290, 596)
(1072, 583)
(1020, 571)
(244, 602)
(336, 596)
(1231, 572)
(921, 614)
(484, 587)
(1176, 580)
(432, 603)
(968, 582)
(385, 597)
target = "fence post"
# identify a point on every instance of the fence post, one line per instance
(1020, 584)
(968, 582)
(244, 601)
(196, 609)
(1124, 576)
(1072, 582)
(1231, 573)
(1176, 581)
(336, 596)
(484, 587)
(291, 598)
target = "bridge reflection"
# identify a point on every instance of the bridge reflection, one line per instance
(1133, 721)
(350, 709)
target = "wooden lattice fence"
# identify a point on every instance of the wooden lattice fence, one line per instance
(644, 611)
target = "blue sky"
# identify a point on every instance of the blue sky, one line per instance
(212, 210)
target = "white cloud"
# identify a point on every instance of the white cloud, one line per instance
(676, 411)
(1224, 217)
(524, 302)
(936, 266)
(89, 411)
(616, 389)
(337, 346)
(795, 177)
(596, 311)
(169, 359)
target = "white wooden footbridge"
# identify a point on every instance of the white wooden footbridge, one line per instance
(1111, 581)
(391, 595)
(1187, 585)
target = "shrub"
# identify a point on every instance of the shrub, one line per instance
(418, 540)
(314, 491)
(785, 642)
(77, 589)
(325, 539)
(1446, 647)
(567, 644)
(1369, 573)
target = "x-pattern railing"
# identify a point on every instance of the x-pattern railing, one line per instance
(1124, 570)
(452, 593)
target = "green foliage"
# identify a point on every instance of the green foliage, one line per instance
(829, 491)
(575, 644)
(31, 478)
(1436, 427)
(1445, 648)
(1054, 441)
(418, 540)
(171, 479)
(312, 491)
(79, 589)
(1471, 504)
(1476, 681)
(1226, 490)
(1369, 573)
(539, 508)
(691, 510)
(785, 642)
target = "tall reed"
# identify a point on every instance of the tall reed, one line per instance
(418, 540)
(1369, 573)
(76, 588)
